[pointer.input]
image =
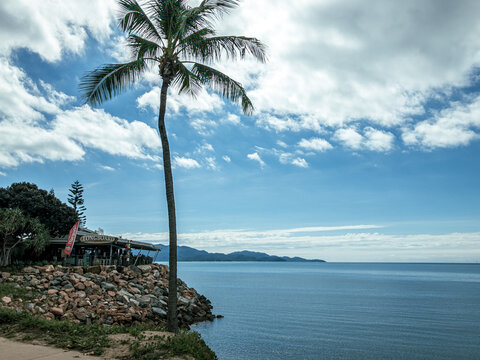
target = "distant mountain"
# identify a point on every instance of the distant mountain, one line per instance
(186, 253)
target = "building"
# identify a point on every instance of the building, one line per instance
(95, 248)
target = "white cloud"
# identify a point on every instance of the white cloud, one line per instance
(341, 71)
(21, 99)
(254, 156)
(70, 133)
(2, 174)
(226, 158)
(52, 28)
(451, 127)
(300, 162)
(315, 144)
(150, 99)
(204, 148)
(204, 127)
(373, 139)
(271, 122)
(282, 144)
(378, 140)
(97, 129)
(107, 168)
(202, 103)
(185, 162)
(119, 49)
(349, 137)
(344, 243)
(211, 163)
(289, 158)
(231, 119)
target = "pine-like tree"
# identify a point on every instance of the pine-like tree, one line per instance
(75, 198)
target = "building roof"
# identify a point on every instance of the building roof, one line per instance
(134, 244)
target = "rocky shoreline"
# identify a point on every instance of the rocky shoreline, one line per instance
(106, 295)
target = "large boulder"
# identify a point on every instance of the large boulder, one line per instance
(145, 268)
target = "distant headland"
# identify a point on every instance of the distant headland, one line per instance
(186, 253)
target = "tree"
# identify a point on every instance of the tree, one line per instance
(56, 216)
(181, 41)
(18, 229)
(75, 198)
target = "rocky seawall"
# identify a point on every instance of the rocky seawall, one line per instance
(109, 295)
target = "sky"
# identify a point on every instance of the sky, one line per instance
(363, 146)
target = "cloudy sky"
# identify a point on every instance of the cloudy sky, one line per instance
(364, 144)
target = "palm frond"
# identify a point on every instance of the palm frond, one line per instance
(141, 47)
(187, 81)
(209, 49)
(223, 84)
(167, 16)
(217, 8)
(135, 20)
(109, 80)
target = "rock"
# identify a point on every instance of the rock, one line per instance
(145, 268)
(134, 302)
(79, 286)
(30, 270)
(121, 298)
(6, 300)
(135, 269)
(46, 268)
(56, 282)
(135, 290)
(125, 293)
(220, 316)
(159, 311)
(183, 300)
(56, 311)
(94, 269)
(115, 295)
(79, 277)
(107, 286)
(68, 285)
(144, 300)
(81, 314)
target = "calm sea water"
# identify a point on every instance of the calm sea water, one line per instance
(340, 310)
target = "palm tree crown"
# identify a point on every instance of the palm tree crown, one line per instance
(181, 41)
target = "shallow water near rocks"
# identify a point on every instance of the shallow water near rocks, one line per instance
(339, 310)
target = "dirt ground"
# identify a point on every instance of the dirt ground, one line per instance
(35, 350)
(15, 350)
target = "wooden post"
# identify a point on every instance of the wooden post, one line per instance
(136, 259)
(110, 261)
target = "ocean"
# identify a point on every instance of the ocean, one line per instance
(339, 310)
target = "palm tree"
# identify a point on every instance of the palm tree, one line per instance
(181, 41)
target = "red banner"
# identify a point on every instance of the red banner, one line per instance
(71, 239)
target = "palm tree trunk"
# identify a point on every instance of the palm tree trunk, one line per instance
(172, 322)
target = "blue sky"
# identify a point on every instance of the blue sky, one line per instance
(363, 147)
